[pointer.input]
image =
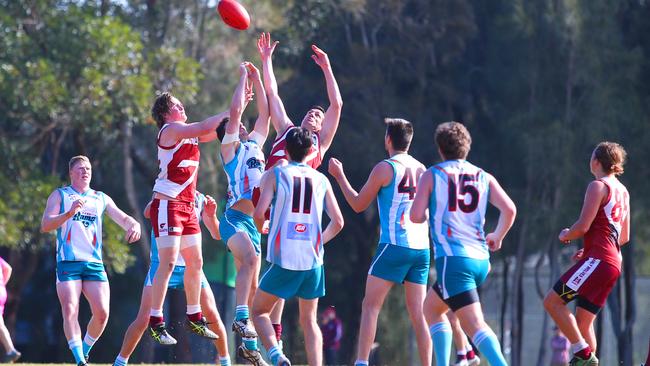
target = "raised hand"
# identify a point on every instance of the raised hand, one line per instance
(335, 168)
(253, 72)
(210, 205)
(265, 46)
(320, 57)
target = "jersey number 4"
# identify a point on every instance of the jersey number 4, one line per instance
(408, 184)
(298, 192)
(464, 190)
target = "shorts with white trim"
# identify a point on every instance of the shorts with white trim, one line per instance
(399, 264)
(459, 279)
(176, 281)
(286, 283)
(233, 222)
(80, 270)
(589, 281)
(173, 218)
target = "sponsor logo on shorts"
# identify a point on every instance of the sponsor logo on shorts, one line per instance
(162, 228)
(299, 231)
(174, 229)
(583, 273)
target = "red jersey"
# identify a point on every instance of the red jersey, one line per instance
(179, 165)
(278, 151)
(601, 240)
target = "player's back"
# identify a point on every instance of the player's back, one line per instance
(601, 240)
(80, 237)
(279, 150)
(295, 235)
(457, 209)
(394, 202)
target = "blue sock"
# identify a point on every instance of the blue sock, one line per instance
(88, 343)
(121, 361)
(250, 343)
(241, 312)
(77, 350)
(274, 353)
(488, 343)
(441, 335)
(361, 363)
(223, 361)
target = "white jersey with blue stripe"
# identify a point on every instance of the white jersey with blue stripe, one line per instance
(395, 201)
(457, 209)
(80, 237)
(244, 171)
(199, 202)
(295, 235)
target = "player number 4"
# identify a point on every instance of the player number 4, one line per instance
(408, 184)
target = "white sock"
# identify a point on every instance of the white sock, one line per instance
(193, 309)
(89, 340)
(156, 312)
(579, 346)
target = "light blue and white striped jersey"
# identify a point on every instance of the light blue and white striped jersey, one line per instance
(244, 171)
(199, 202)
(457, 209)
(80, 237)
(394, 202)
(295, 236)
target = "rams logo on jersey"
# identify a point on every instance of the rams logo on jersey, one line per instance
(253, 163)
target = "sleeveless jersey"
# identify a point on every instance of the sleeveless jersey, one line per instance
(295, 235)
(199, 202)
(80, 237)
(244, 171)
(279, 152)
(179, 165)
(601, 240)
(395, 201)
(457, 209)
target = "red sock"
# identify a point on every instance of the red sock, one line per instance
(278, 331)
(196, 317)
(647, 361)
(155, 320)
(584, 353)
(471, 354)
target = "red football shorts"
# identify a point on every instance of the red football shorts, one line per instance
(173, 218)
(590, 280)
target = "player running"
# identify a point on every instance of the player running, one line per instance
(295, 248)
(76, 211)
(206, 209)
(243, 161)
(604, 224)
(456, 193)
(173, 218)
(403, 252)
(322, 123)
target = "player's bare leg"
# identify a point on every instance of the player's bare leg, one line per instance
(376, 291)
(435, 311)
(472, 321)
(247, 263)
(98, 294)
(415, 294)
(69, 293)
(137, 327)
(311, 331)
(562, 316)
(276, 319)
(464, 350)
(168, 248)
(209, 306)
(585, 320)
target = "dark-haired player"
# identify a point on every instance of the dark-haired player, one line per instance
(322, 123)
(456, 193)
(402, 256)
(173, 218)
(243, 161)
(604, 225)
(295, 248)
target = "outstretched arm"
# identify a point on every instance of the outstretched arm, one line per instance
(204, 130)
(237, 106)
(334, 212)
(333, 112)
(507, 212)
(279, 116)
(126, 222)
(262, 122)
(380, 176)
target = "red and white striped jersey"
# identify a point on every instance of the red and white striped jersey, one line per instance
(601, 240)
(179, 165)
(279, 152)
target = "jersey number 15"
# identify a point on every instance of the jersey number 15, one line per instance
(464, 190)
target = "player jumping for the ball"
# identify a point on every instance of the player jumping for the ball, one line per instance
(604, 224)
